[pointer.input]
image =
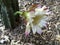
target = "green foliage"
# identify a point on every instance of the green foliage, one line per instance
(23, 14)
(18, 12)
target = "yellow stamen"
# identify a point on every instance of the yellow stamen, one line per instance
(37, 19)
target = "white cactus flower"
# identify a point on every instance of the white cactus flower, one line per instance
(37, 20)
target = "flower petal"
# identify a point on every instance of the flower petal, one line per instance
(34, 29)
(39, 31)
(27, 29)
(42, 23)
(48, 13)
(45, 18)
(27, 32)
